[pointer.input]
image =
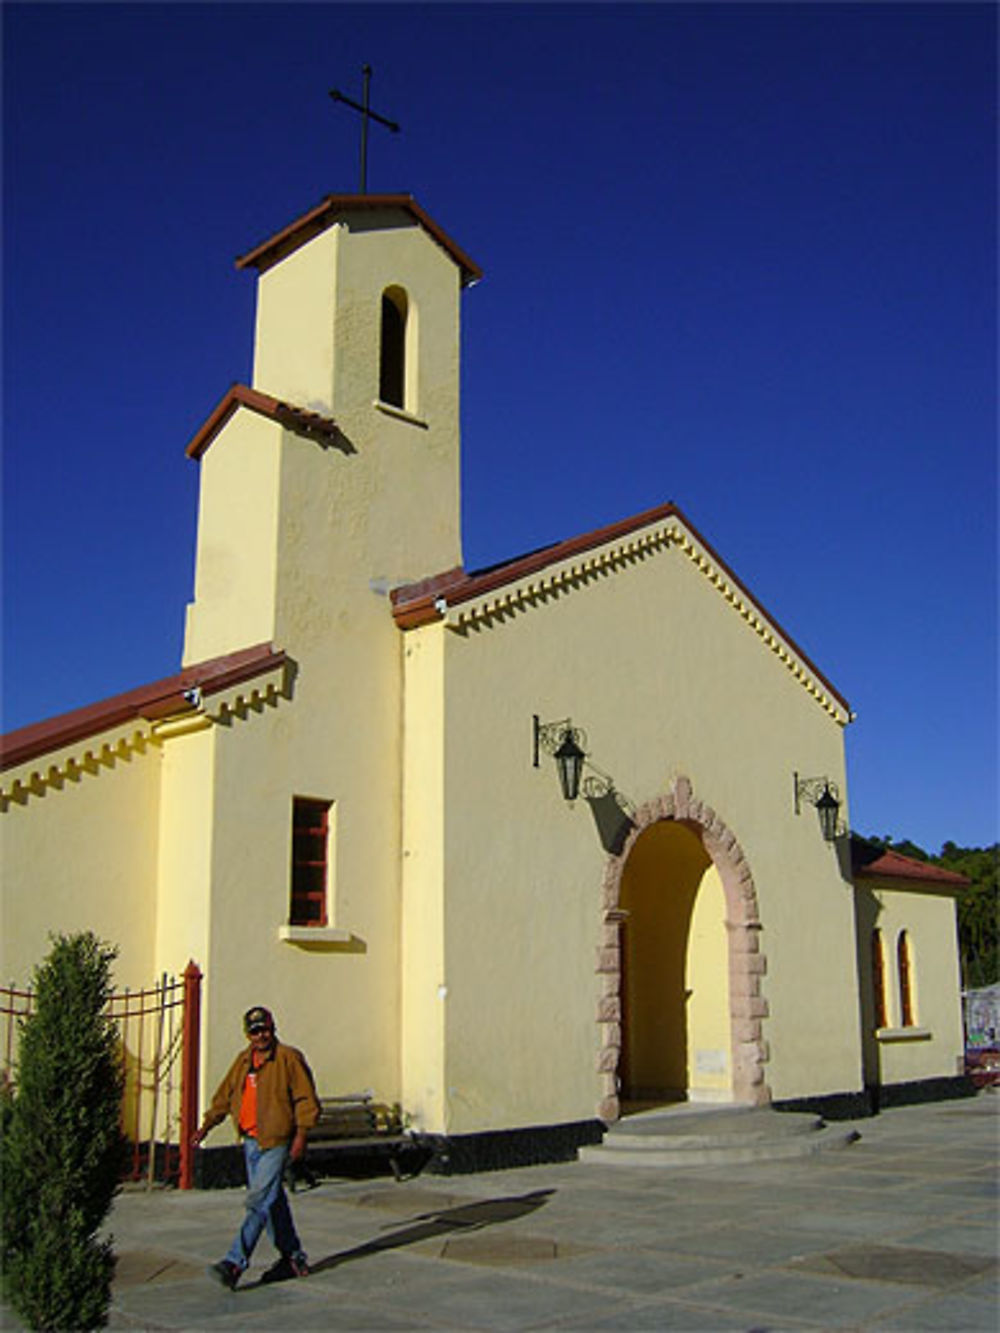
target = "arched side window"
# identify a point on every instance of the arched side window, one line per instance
(904, 963)
(392, 375)
(878, 980)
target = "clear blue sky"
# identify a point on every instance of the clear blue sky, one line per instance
(740, 257)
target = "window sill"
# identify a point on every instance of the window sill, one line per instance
(400, 414)
(903, 1034)
(320, 937)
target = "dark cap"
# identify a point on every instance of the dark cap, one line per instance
(258, 1017)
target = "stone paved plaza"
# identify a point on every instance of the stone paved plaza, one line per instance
(898, 1231)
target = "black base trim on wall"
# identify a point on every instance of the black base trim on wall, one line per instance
(924, 1090)
(219, 1168)
(870, 1100)
(832, 1105)
(222, 1168)
(497, 1150)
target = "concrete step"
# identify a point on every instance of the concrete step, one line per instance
(714, 1136)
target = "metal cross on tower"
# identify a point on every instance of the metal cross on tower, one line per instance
(366, 115)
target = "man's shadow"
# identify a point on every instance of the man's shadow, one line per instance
(468, 1217)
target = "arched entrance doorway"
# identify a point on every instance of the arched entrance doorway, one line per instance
(674, 972)
(681, 1010)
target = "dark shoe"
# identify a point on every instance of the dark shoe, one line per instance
(224, 1272)
(288, 1266)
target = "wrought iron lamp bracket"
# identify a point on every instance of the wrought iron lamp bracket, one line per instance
(811, 789)
(614, 814)
(548, 736)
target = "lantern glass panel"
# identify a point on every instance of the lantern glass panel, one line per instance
(828, 807)
(569, 762)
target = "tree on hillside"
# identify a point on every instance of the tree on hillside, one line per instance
(62, 1145)
(978, 911)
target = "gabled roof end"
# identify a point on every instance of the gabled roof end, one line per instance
(329, 209)
(299, 419)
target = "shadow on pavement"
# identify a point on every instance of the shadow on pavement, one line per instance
(427, 1226)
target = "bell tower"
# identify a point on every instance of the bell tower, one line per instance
(357, 332)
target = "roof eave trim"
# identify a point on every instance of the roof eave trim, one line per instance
(456, 587)
(148, 702)
(426, 602)
(324, 214)
(945, 880)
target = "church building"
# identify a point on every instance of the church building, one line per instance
(514, 847)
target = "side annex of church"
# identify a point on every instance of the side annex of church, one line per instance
(335, 805)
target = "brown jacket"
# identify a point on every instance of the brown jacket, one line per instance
(286, 1095)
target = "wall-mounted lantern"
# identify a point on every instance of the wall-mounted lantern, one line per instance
(564, 743)
(614, 814)
(823, 794)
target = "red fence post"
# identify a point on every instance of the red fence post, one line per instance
(190, 1057)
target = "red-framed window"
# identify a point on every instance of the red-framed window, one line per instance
(310, 843)
(878, 979)
(905, 964)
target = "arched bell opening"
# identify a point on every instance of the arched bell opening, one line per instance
(395, 372)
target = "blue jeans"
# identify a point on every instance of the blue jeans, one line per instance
(266, 1204)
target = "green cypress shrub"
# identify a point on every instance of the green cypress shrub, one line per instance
(62, 1143)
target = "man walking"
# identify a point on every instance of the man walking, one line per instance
(270, 1094)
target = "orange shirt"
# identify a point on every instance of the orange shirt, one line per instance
(248, 1105)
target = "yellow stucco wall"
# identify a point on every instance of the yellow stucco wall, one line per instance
(78, 852)
(237, 552)
(293, 356)
(709, 1030)
(933, 1046)
(424, 990)
(667, 678)
(186, 811)
(334, 736)
(348, 523)
(338, 1000)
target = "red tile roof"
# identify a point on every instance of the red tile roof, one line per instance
(333, 206)
(870, 862)
(159, 699)
(415, 604)
(240, 395)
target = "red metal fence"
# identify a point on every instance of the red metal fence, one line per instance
(159, 1029)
